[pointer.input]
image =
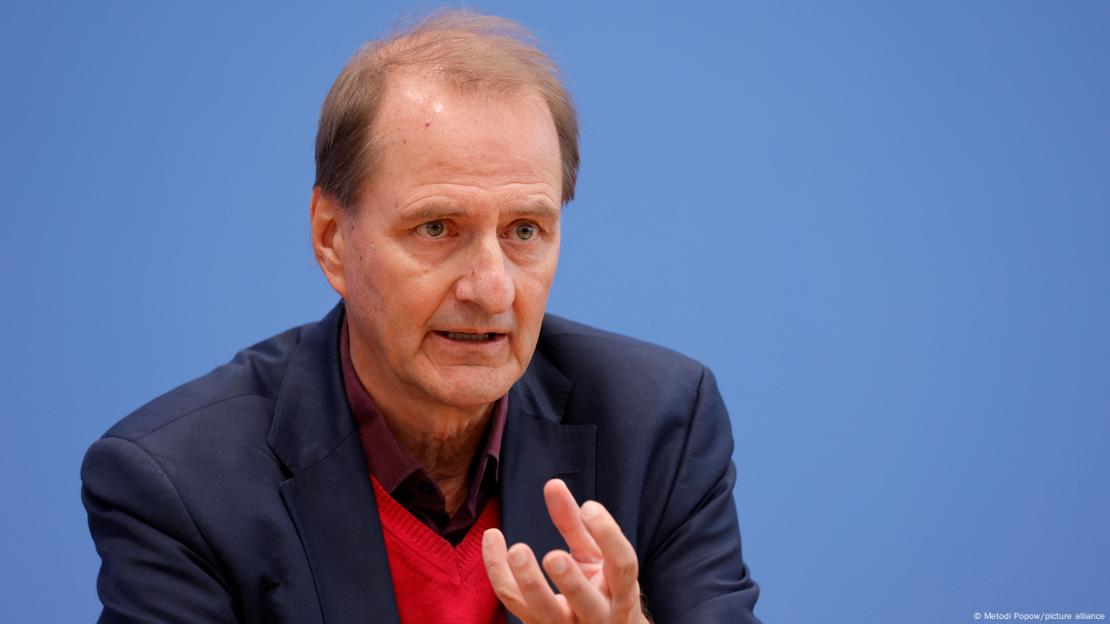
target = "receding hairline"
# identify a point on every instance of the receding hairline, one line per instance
(467, 53)
(423, 81)
(433, 52)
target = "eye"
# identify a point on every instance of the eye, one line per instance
(434, 229)
(524, 231)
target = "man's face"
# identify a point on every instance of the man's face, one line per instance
(449, 256)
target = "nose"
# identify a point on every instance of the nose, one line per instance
(487, 281)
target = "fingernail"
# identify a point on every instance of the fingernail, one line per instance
(487, 538)
(590, 510)
(516, 557)
(558, 565)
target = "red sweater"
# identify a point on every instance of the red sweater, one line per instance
(432, 580)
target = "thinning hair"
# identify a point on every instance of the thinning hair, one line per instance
(472, 53)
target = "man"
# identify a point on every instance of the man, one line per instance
(374, 466)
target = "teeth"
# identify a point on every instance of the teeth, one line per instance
(469, 337)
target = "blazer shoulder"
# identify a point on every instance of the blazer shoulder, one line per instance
(563, 336)
(592, 356)
(254, 373)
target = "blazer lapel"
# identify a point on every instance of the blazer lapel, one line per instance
(329, 496)
(536, 447)
(333, 506)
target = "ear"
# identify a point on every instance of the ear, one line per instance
(327, 218)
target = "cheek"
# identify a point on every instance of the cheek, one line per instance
(542, 275)
(533, 286)
(408, 296)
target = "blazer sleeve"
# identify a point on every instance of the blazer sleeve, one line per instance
(695, 571)
(156, 566)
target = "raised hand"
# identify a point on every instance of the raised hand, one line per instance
(597, 579)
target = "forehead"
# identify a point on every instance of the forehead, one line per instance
(427, 126)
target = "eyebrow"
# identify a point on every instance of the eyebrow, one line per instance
(540, 210)
(433, 212)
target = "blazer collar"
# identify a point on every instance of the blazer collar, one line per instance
(312, 416)
(330, 498)
(538, 446)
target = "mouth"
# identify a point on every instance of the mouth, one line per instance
(469, 337)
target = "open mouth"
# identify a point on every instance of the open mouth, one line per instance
(468, 337)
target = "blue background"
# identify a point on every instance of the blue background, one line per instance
(886, 227)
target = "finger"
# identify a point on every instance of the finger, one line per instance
(584, 599)
(495, 556)
(566, 516)
(621, 567)
(542, 602)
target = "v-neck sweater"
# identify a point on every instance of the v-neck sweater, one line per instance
(434, 581)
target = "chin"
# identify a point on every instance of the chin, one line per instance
(472, 386)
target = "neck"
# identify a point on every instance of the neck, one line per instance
(443, 438)
(444, 442)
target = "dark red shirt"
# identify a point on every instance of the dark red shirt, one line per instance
(403, 477)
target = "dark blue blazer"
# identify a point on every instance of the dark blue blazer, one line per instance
(243, 496)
